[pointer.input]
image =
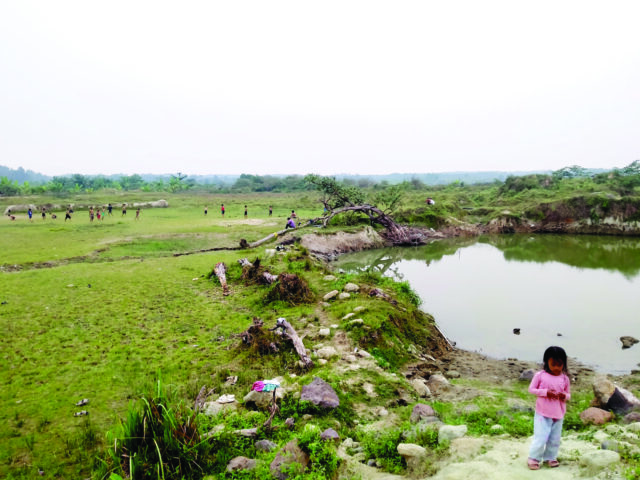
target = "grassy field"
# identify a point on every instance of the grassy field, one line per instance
(97, 309)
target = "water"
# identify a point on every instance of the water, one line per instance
(579, 292)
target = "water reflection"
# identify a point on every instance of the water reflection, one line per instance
(584, 288)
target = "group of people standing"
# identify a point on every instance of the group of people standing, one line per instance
(98, 213)
(290, 221)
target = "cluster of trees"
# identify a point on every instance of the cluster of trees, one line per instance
(624, 181)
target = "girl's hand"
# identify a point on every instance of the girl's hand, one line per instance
(552, 394)
(562, 396)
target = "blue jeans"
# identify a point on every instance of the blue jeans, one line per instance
(546, 438)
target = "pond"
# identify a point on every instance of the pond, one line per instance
(579, 292)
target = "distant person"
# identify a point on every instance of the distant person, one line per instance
(67, 215)
(70, 209)
(109, 209)
(98, 214)
(245, 211)
(138, 214)
(12, 217)
(44, 213)
(206, 209)
(91, 214)
(270, 210)
(30, 213)
(293, 214)
(290, 223)
(54, 216)
(222, 209)
(124, 209)
(430, 201)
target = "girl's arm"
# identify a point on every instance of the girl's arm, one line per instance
(567, 389)
(534, 386)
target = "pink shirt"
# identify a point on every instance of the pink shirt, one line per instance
(543, 382)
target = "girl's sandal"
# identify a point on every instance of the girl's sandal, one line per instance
(553, 463)
(533, 464)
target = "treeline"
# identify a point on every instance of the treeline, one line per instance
(623, 180)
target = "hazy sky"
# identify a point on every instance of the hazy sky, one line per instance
(326, 87)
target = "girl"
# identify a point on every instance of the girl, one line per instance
(551, 386)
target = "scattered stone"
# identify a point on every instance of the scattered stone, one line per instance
(437, 383)
(324, 332)
(631, 417)
(320, 393)
(282, 466)
(446, 433)
(611, 445)
(323, 361)
(628, 342)
(247, 432)
(330, 295)
(325, 304)
(453, 374)
(348, 316)
(290, 423)
(422, 411)
(326, 352)
(359, 309)
(344, 296)
(351, 287)
(261, 400)
(265, 445)
(212, 409)
(622, 401)
(241, 463)
(409, 451)
(527, 375)
(595, 415)
(634, 427)
(330, 435)
(334, 326)
(516, 331)
(372, 463)
(329, 278)
(496, 428)
(603, 388)
(420, 387)
(465, 448)
(599, 459)
(350, 358)
(363, 353)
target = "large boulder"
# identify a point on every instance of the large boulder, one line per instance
(330, 295)
(261, 400)
(603, 388)
(351, 287)
(451, 432)
(320, 393)
(596, 416)
(327, 352)
(420, 387)
(281, 466)
(438, 383)
(330, 435)
(610, 397)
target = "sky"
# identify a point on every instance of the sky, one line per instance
(296, 87)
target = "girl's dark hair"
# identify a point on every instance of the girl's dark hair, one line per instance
(559, 355)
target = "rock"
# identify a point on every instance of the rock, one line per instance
(326, 352)
(420, 387)
(622, 401)
(363, 353)
(261, 400)
(265, 445)
(634, 427)
(344, 296)
(350, 358)
(330, 435)
(453, 374)
(329, 278)
(352, 287)
(599, 459)
(324, 332)
(281, 466)
(596, 416)
(320, 393)
(611, 445)
(334, 326)
(290, 423)
(330, 295)
(527, 375)
(516, 331)
(464, 448)
(227, 398)
(420, 411)
(438, 383)
(408, 450)
(603, 388)
(212, 409)
(348, 316)
(241, 463)
(247, 432)
(631, 417)
(323, 361)
(496, 428)
(357, 322)
(628, 342)
(359, 309)
(446, 433)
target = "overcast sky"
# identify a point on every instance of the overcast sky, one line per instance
(325, 87)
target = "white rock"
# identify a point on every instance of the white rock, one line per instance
(330, 295)
(359, 309)
(344, 296)
(600, 437)
(497, 428)
(334, 326)
(348, 316)
(326, 352)
(450, 432)
(364, 354)
(356, 322)
(322, 361)
(329, 278)
(350, 358)
(351, 287)
(411, 450)
(324, 332)
(420, 386)
(599, 459)
(634, 427)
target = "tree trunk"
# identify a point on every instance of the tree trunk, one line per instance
(268, 277)
(292, 335)
(220, 271)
